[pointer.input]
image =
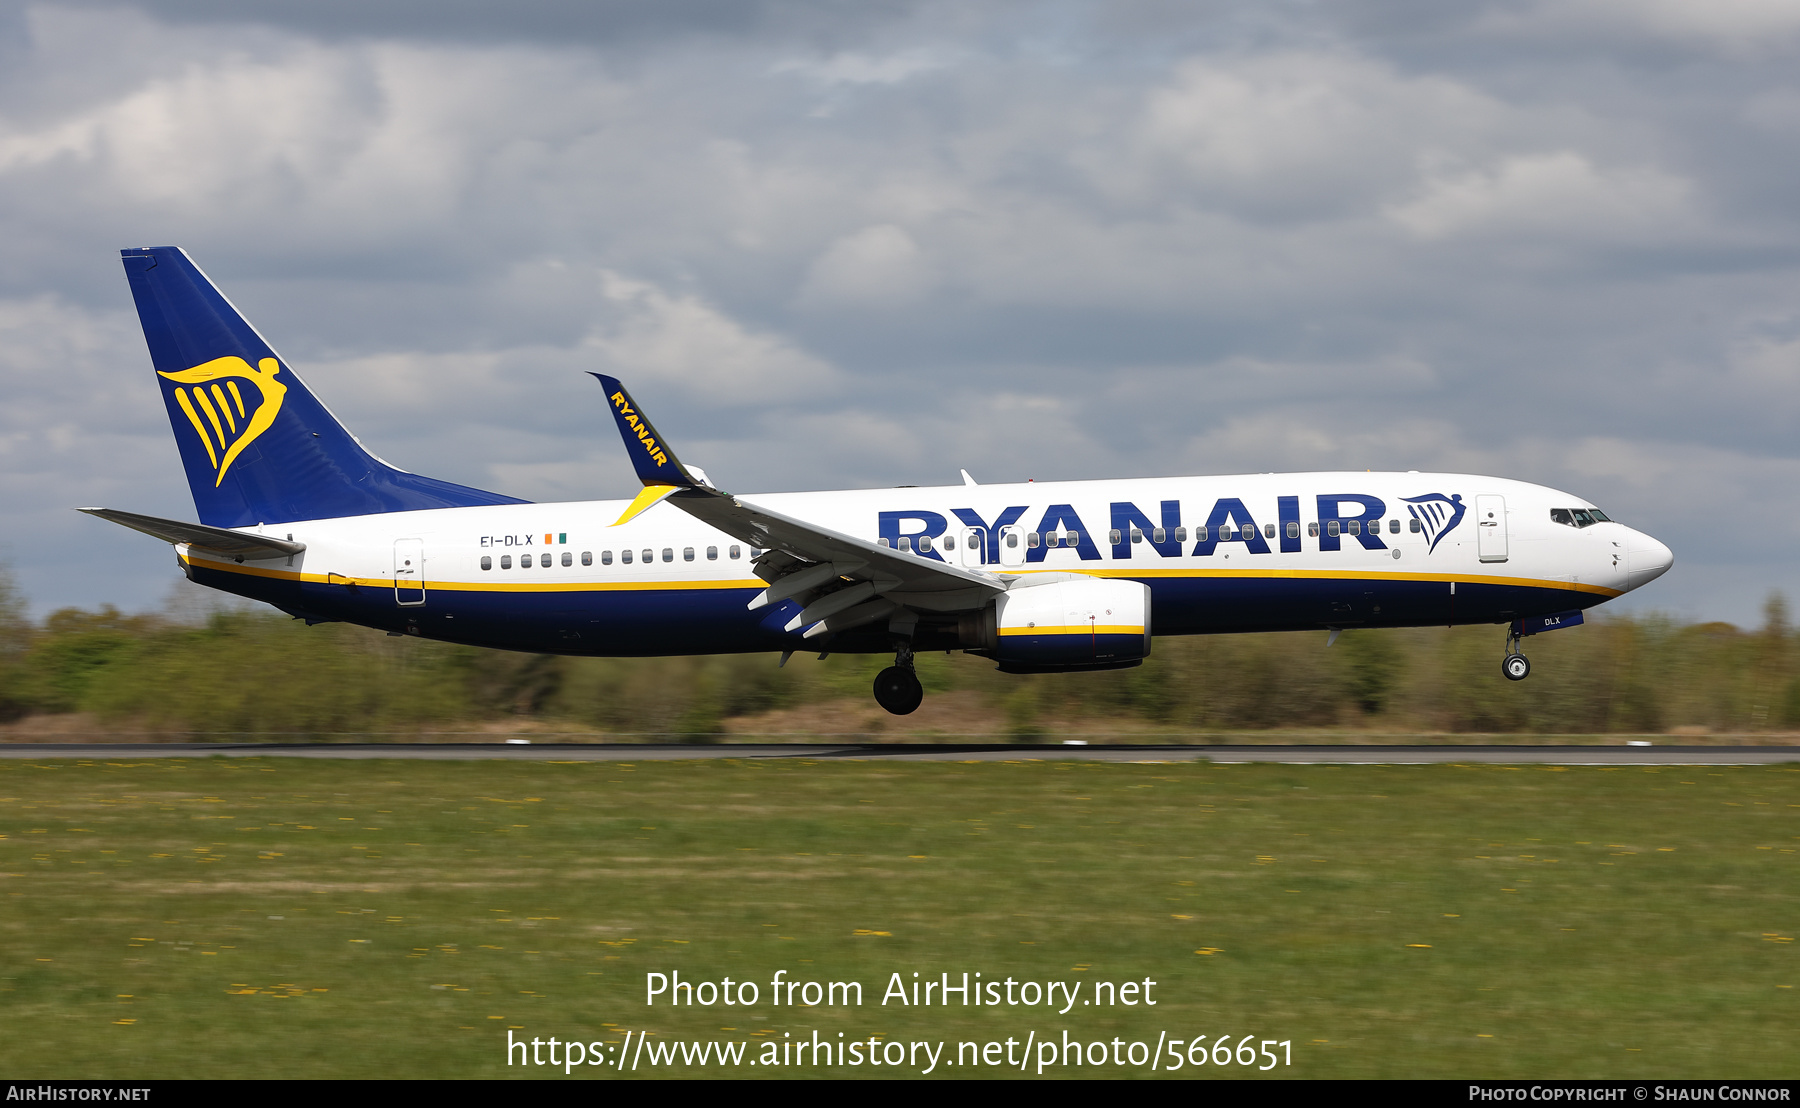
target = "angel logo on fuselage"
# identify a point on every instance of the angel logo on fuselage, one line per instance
(1439, 514)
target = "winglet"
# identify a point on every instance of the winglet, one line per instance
(655, 463)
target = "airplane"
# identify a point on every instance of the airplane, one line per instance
(1049, 577)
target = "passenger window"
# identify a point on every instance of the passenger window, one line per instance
(924, 544)
(687, 553)
(732, 553)
(1159, 535)
(487, 562)
(1012, 540)
(1114, 537)
(881, 541)
(1181, 534)
(906, 543)
(1312, 530)
(1332, 528)
(625, 557)
(668, 553)
(949, 542)
(649, 556)
(712, 553)
(587, 557)
(1293, 529)
(1200, 533)
(1137, 535)
(1415, 527)
(1394, 526)
(1268, 530)
(1074, 538)
(1356, 527)
(1051, 538)
(1031, 540)
(606, 557)
(506, 561)
(568, 559)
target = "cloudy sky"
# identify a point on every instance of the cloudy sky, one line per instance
(865, 244)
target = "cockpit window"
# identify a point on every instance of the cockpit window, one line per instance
(1578, 517)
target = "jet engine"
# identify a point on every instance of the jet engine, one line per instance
(1056, 626)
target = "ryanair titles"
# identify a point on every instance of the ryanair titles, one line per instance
(639, 426)
(1357, 518)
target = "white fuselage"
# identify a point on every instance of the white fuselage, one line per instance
(1227, 553)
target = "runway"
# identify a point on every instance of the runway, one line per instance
(930, 752)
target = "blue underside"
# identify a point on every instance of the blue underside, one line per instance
(1058, 650)
(628, 623)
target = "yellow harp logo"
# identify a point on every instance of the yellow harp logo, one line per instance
(230, 424)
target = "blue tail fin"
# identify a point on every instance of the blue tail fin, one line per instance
(258, 447)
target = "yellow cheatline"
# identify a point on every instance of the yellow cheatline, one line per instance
(1339, 575)
(473, 586)
(650, 495)
(1077, 629)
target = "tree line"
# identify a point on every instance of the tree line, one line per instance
(254, 671)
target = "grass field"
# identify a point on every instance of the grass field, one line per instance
(286, 918)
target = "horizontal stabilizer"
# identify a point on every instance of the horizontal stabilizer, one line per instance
(235, 544)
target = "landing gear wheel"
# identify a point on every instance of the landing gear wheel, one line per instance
(898, 690)
(1516, 667)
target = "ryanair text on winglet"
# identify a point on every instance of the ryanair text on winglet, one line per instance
(642, 429)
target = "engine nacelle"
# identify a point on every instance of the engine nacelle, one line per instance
(1086, 623)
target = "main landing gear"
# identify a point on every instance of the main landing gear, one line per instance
(1516, 666)
(897, 687)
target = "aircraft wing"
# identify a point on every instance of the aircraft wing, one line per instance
(234, 544)
(839, 580)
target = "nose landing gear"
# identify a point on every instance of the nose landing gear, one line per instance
(1516, 666)
(897, 687)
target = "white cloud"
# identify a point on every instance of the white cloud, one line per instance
(1319, 131)
(683, 341)
(879, 265)
(1168, 245)
(1561, 194)
(860, 68)
(1742, 26)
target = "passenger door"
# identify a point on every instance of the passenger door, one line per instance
(1490, 527)
(409, 572)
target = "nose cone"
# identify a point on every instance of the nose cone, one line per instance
(1645, 560)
